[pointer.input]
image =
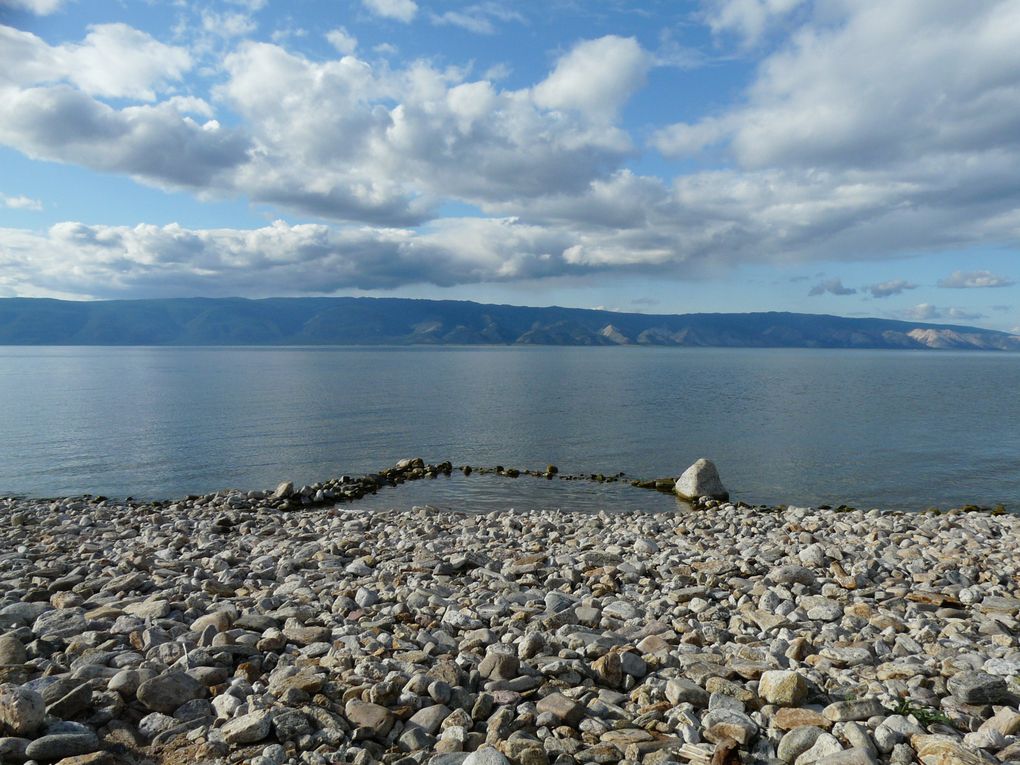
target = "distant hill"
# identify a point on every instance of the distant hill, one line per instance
(393, 321)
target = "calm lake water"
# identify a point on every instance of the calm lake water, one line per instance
(870, 428)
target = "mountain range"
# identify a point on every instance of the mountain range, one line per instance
(398, 321)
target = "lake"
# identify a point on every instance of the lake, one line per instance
(890, 429)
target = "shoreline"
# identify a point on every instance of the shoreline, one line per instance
(345, 490)
(203, 632)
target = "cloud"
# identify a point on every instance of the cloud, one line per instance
(596, 77)
(342, 40)
(21, 203)
(38, 7)
(400, 10)
(830, 153)
(749, 19)
(154, 143)
(107, 261)
(411, 137)
(832, 286)
(227, 25)
(890, 288)
(836, 153)
(974, 280)
(114, 61)
(481, 18)
(927, 312)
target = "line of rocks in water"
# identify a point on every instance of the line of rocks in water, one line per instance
(216, 629)
(347, 489)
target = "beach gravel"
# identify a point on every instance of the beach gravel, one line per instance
(255, 627)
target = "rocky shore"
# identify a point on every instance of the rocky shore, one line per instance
(282, 627)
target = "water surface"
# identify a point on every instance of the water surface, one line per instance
(871, 428)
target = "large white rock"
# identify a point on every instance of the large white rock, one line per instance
(701, 480)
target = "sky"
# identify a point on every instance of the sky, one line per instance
(850, 157)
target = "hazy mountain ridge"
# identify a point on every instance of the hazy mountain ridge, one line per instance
(397, 321)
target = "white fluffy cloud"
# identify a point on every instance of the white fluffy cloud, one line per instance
(863, 137)
(833, 151)
(114, 60)
(342, 40)
(596, 77)
(20, 202)
(400, 10)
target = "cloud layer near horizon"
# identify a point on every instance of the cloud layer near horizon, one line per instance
(833, 152)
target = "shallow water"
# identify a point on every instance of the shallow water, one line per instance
(870, 428)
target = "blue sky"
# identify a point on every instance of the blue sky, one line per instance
(854, 157)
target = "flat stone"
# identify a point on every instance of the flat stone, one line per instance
(680, 690)
(942, 750)
(858, 709)
(247, 729)
(58, 745)
(789, 718)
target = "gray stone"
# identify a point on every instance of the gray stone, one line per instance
(429, 718)
(701, 480)
(60, 745)
(680, 690)
(499, 666)
(486, 756)
(363, 714)
(978, 688)
(247, 729)
(562, 708)
(858, 709)
(168, 691)
(796, 742)
(22, 710)
(12, 749)
(826, 744)
(11, 651)
(855, 756)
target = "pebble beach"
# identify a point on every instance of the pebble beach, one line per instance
(290, 626)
